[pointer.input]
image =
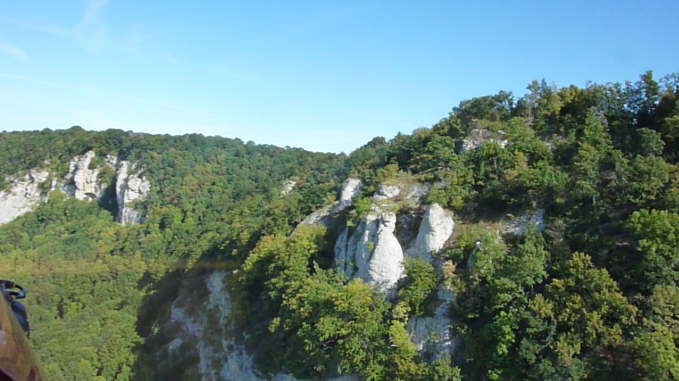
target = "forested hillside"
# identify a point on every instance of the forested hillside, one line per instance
(87, 275)
(586, 291)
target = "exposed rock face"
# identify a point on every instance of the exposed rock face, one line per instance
(479, 136)
(371, 251)
(517, 225)
(381, 265)
(82, 182)
(385, 192)
(213, 346)
(130, 187)
(350, 189)
(431, 334)
(435, 229)
(329, 215)
(22, 195)
(207, 332)
(288, 186)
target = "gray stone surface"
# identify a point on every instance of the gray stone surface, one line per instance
(130, 187)
(82, 182)
(432, 334)
(479, 136)
(436, 227)
(517, 225)
(22, 194)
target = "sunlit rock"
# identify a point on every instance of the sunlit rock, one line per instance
(436, 227)
(81, 181)
(130, 187)
(22, 194)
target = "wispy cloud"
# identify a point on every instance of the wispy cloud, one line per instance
(13, 51)
(90, 31)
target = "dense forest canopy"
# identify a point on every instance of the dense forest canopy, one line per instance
(593, 296)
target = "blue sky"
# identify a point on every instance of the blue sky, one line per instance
(322, 75)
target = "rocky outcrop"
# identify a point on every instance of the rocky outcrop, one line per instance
(130, 187)
(431, 334)
(517, 225)
(22, 194)
(371, 251)
(435, 229)
(385, 192)
(329, 215)
(350, 189)
(81, 181)
(379, 256)
(219, 356)
(207, 331)
(479, 136)
(288, 186)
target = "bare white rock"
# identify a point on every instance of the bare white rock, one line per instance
(82, 182)
(130, 187)
(22, 195)
(385, 192)
(350, 189)
(385, 265)
(436, 227)
(220, 356)
(371, 252)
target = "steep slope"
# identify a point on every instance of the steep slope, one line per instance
(176, 199)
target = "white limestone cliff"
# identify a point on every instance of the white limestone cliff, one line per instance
(220, 359)
(371, 251)
(379, 256)
(130, 187)
(82, 182)
(436, 227)
(22, 194)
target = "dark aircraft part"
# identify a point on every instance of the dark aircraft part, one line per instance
(16, 360)
(12, 292)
